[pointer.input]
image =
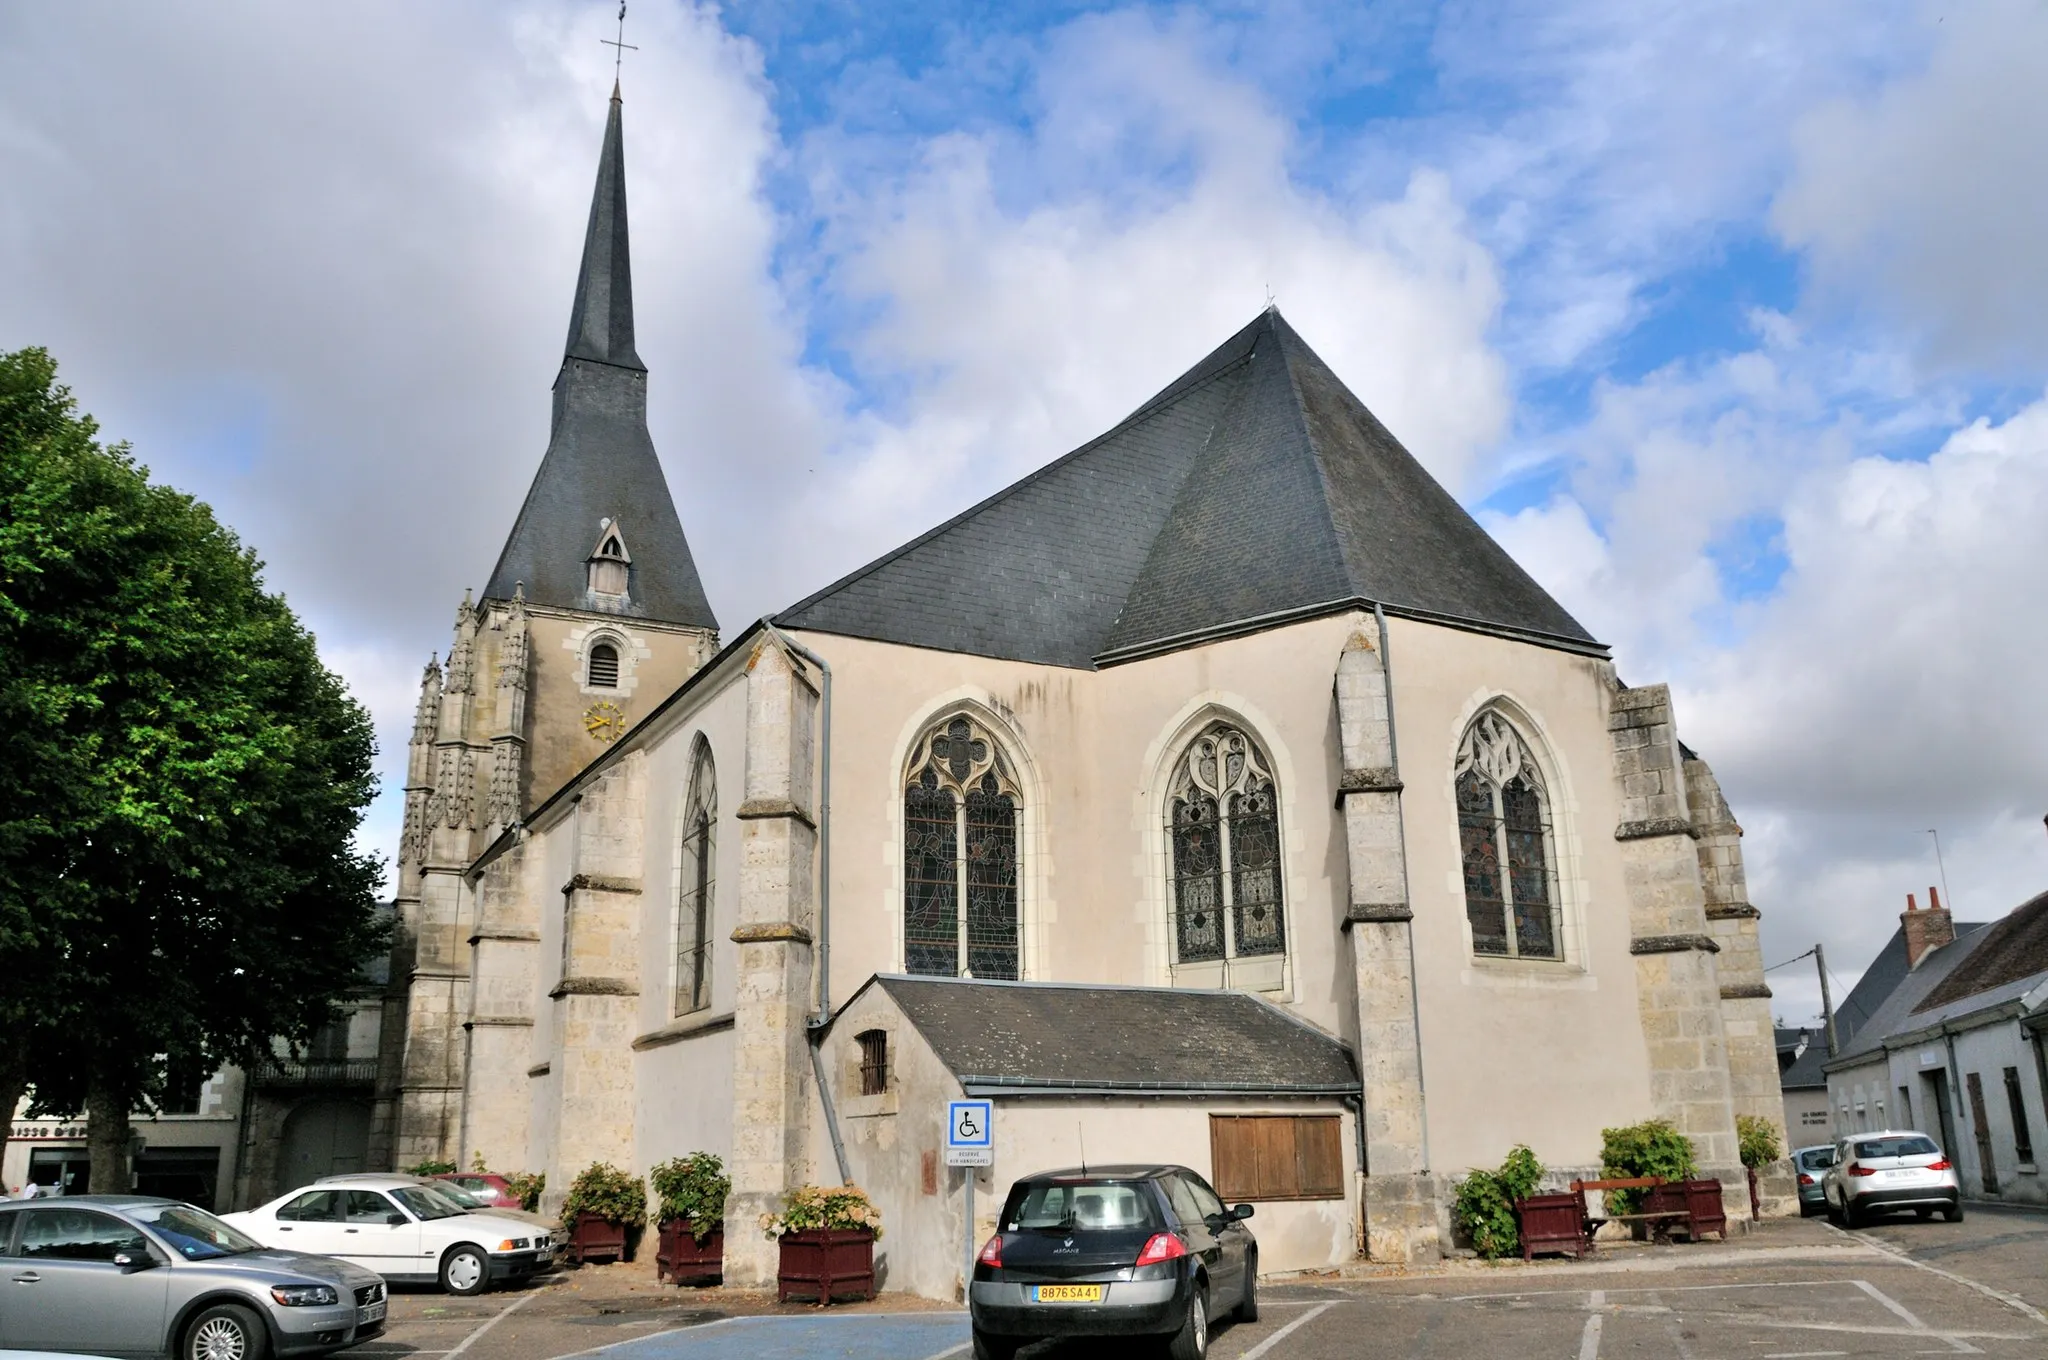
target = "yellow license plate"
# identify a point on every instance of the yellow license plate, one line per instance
(1066, 1293)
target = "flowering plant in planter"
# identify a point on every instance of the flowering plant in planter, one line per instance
(528, 1186)
(808, 1208)
(604, 1192)
(692, 1189)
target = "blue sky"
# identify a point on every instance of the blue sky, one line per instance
(1728, 319)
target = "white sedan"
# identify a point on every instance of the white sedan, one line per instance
(403, 1230)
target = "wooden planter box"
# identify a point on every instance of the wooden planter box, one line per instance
(680, 1257)
(826, 1264)
(1709, 1211)
(1553, 1223)
(594, 1239)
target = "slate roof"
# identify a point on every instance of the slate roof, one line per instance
(1255, 485)
(2013, 950)
(1877, 984)
(1020, 1037)
(1892, 1015)
(600, 462)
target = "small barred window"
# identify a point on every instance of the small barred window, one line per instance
(874, 1062)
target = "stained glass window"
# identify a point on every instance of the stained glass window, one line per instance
(1223, 843)
(1504, 840)
(696, 876)
(960, 848)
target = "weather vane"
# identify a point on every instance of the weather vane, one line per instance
(622, 45)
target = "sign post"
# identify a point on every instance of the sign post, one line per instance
(970, 1143)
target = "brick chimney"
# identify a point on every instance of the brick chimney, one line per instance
(1926, 931)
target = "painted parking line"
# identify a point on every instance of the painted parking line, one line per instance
(490, 1322)
(842, 1336)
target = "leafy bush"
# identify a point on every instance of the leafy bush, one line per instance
(603, 1191)
(692, 1188)
(1486, 1202)
(527, 1185)
(810, 1207)
(429, 1169)
(1654, 1147)
(1759, 1138)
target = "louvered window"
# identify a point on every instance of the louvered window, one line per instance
(604, 666)
(874, 1062)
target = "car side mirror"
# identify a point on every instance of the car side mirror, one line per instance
(132, 1261)
(1241, 1211)
(394, 1219)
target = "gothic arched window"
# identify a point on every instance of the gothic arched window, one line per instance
(1504, 838)
(602, 670)
(1223, 848)
(696, 878)
(960, 847)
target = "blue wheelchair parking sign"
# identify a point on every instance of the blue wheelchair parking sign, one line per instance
(969, 1124)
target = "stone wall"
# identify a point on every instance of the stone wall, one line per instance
(1400, 1194)
(1678, 985)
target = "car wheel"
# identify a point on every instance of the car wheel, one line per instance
(1954, 1213)
(1834, 1214)
(1191, 1342)
(465, 1270)
(225, 1332)
(989, 1347)
(1248, 1306)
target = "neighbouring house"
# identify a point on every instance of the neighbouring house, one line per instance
(1219, 791)
(1809, 1116)
(1956, 1049)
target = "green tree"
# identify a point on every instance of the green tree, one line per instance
(182, 783)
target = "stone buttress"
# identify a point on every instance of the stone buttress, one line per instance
(1400, 1197)
(773, 985)
(1745, 996)
(1678, 983)
(596, 999)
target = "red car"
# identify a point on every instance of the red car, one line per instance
(494, 1190)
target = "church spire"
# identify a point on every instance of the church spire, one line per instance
(601, 322)
(600, 464)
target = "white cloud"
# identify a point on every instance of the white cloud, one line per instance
(1021, 331)
(1920, 204)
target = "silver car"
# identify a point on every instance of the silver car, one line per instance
(1891, 1169)
(138, 1276)
(1810, 1165)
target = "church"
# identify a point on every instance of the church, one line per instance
(1219, 793)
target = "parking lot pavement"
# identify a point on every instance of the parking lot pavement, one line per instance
(1791, 1291)
(1998, 1247)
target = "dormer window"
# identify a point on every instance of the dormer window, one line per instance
(603, 669)
(609, 564)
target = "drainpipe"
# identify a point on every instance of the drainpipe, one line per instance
(814, 1028)
(1414, 978)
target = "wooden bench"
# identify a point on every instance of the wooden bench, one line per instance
(1696, 1205)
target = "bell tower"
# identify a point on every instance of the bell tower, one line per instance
(593, 613)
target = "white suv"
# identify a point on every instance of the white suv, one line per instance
(1875, 1173)
(403, 1230)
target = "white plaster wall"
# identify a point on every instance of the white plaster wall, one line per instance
(1514, 1051)
(1988, 1051)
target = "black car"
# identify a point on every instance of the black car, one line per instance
(1113, 1251)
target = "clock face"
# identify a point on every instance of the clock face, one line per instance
(604, 721)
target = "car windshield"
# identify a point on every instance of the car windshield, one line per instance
(1068, 1206)
(193, 1233)
(1912, 1145)
(427, 1203)
(458, 1194)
